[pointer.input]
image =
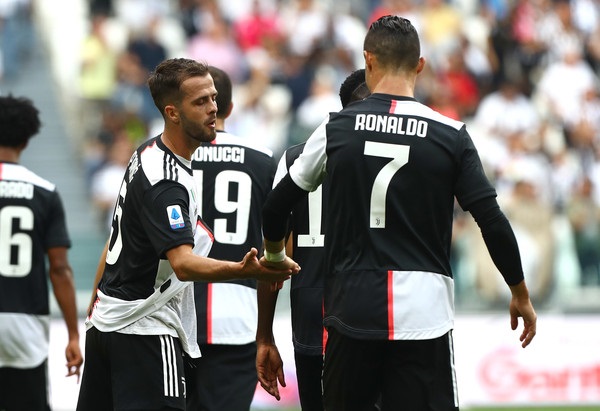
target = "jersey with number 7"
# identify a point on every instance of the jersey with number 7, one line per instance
(394, 168)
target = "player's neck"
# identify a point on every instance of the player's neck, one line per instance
(396, 85)
(9, 155)
(177, 146)
(220, 125)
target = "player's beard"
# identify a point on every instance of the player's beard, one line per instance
(200, 133)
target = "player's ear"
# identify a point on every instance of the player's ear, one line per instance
(371, 62)
(171, 113)
(368, 59)
(421, 64)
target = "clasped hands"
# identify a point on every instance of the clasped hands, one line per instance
(286, 264)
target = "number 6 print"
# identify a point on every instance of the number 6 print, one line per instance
(9, 241)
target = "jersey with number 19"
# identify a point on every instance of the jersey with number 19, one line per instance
(394, 167)
(156, 210)
(233, 178)
(32, 219)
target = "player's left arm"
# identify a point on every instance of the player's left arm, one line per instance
(61, 277)
(504, 251)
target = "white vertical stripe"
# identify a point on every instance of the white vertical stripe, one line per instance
(164, 361)
(453, 368)
(169, 341)
(174, 367)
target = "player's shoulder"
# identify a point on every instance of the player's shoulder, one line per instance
(291, 153)
(225, 138)
(18, 173)
(158, 163)
(421, 109)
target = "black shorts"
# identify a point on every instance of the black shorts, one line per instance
(24, 389)
(131, 372)
(409, 374)
(224, 378)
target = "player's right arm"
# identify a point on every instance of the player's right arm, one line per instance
(305, 175)
(191, 267)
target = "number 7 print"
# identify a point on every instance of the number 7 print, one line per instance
(399, 156)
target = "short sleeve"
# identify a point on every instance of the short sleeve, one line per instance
(166, 216)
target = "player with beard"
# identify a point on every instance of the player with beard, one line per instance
(142, 321)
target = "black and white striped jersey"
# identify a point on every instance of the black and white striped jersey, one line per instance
(394, 167)
(32, 220)
(157, 209)
(233, 177)
(308, 248)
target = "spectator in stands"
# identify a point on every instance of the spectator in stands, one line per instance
(584, 215)
(562, 85)
(105, 183)
(97, 75)
(216, 43)
(146, 46)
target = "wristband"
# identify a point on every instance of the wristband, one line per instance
(275, 257)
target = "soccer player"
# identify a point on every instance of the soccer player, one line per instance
(394, 167)
(234, 178)
(142, 325)
(306, 242)
(32, 229)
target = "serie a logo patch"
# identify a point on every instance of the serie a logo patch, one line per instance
(175, 217)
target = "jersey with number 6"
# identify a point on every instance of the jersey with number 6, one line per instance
(394, 167)
(233, 178)
(32, 219)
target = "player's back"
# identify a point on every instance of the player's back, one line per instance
(395, 167)
(31, 221)
(233, 177)
(394, 179)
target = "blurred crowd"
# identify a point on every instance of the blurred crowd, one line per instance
(523, 75)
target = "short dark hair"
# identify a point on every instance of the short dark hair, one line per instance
(223, 86)
(394, 41)
(166, 79)
(19, 120)
(354, 88)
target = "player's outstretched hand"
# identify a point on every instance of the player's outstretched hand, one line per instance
(269, 368)
(272, 272)
(74, 358)
(521, 306)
